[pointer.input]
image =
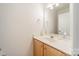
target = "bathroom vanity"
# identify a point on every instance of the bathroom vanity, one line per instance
(51, 46)
(55, 44)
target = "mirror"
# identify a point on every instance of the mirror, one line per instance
(57, 18)
(64, 23)
(64, 20)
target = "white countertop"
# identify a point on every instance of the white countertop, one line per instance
(64, 45)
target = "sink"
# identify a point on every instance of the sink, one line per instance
(48, 38)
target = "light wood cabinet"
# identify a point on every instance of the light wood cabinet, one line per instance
(38, 48)
(42, 49)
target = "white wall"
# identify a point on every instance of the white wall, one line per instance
(17, 23)
(71, 24)
(75, 27)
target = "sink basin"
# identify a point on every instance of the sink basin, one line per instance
(48, 38)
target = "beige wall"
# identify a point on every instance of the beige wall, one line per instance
(17, 23)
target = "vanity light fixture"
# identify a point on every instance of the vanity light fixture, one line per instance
(52, 5)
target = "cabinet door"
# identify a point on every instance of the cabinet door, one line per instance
(49, 51)
(38, 48)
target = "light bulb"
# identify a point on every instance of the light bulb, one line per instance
(57, 4)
